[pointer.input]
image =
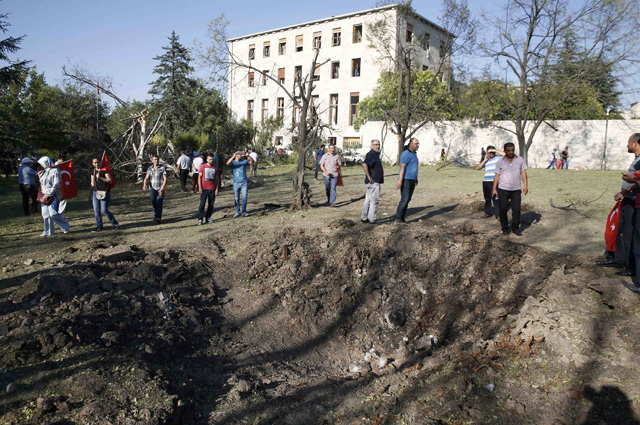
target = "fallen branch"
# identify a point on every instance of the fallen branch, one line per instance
(574, 205)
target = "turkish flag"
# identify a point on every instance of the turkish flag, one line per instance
(68, 187)
(611, 232)
(104, 166)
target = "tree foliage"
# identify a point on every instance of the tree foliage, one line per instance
(9, 70)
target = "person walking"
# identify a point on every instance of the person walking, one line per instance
(507, 186)
(253, 166)
(564, 155)
(157, 177)
(330, 166)
(50, 187)
(208, 188)
(195, 167)
(552, 159)
(101, 195)
(407, 178)
(489, 165)
(483, 154)
(374, 177)
(182, 169)
(239, 164)
(317, 156)
(28, 188)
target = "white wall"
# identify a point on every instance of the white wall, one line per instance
(463, 140)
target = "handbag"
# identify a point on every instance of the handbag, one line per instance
(44, 199)
(101, 194)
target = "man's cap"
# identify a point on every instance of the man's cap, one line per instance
(27, 160)
(555, 149)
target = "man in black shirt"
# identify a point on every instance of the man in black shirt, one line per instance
(374, 177)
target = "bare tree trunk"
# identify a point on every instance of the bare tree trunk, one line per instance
(140, 151)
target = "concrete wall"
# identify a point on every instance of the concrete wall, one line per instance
(463, 141)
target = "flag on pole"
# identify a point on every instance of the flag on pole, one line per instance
(611, 232)
(104, 166)
(68, 187)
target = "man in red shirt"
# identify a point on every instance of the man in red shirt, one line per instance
(209, 181)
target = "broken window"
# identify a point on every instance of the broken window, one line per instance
(333, 109)
(425, 41)
(265, 110)
(409, 33)
(335, 37)
(355, 67)
(354, 99)
(425, 68)
(298, 72)
(266, 49)
(295, 115)
(280, 110)
(298, 43)
(317, 40)
(281, 75)
(264, 77)
(316, 73)
(335, 69)
(251, 80)
(250, 110)
(282, 46)
(357, 33)
(252, 51)
(443, 50)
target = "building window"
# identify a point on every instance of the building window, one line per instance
(425, 41)
(280, 110)
(335, 37)
(357, 33)
(316, 73)
(278, 140)
(332, 140)
(425, 68)
(298, 72)
(266, 49)
(409, 33)
(265, 111)
(264, 77)
(335, 69)
(333, 109)
(314, 105)
(250, 110)
(317, 40)
(281, 75)
(352, 143)
(355, 67)
(295, 115)
(298, 43)
(251, 80)
(443, 50)
(282, 46)
(252, 52)
(353, 108)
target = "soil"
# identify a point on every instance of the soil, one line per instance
(311, 318)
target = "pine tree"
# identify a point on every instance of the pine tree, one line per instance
(9, 73)
(173, 91)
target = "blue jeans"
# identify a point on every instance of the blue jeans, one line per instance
(156, 201)
(102, 205)
(209, 195)
(315, 174)
(240, 190)
(552, 165)
(406, 192)
(565, 164)
(330, 186)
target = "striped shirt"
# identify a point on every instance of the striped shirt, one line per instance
(155, 176)
(490, 169)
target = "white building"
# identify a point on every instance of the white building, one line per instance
(349, 72)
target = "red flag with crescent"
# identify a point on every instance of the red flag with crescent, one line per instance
(68, 187)
(104, 166)
(611, 232)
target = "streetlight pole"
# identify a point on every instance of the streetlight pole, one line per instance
(606, 130)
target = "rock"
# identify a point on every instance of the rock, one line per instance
(382, 362)
(11, 388)
(420, 287)
(162, 296)
(496, 313)
(475, 413)
(61, 406)
(44, 404)
(395, 318)
(4, 329)
(130, 286)
(145, 414)
(490, 387)
(243, 386)
(27, 322)
(28, 262)
(110, 338)
(106, 285)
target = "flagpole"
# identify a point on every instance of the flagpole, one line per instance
(97, 106)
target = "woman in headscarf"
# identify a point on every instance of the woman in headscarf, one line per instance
(50, 186)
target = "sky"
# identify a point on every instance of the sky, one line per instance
(119, 38)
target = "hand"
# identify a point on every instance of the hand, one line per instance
(144, 188)
(525, 190)
(161, 192)
(216, 191)
(629, 178)
(618, 196)
(399, 184)
(494, 193)
(200, 190)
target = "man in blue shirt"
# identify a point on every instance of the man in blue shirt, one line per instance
(239, 164)
(408, 178)
(374, 177)
(317, 155)
(27, 177)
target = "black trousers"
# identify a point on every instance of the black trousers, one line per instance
(634, 251)
(625, 232)
(29, 191)
(184, 175)
(487, 188)
(406, 192)
(504, 197)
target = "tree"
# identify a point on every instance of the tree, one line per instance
(307, 128)
(419, 97)
(174, 88)
(528, 51)
(11, 72)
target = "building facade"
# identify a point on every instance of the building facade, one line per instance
(348, 71)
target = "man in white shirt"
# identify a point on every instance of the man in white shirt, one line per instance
(195, 166)
(182, 169)
(253, 167)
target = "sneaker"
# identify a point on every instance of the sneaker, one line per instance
(65, 231)
(236, 215)
(116, 227)
(97, 229)
(366, 220)
(517, 232)
(158, 221)
(244, 214)
(199, 222)
(506, 232)
(44, 235)
(207, 221)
